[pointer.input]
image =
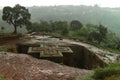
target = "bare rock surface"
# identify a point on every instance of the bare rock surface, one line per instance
(24, 67)
(106, 56)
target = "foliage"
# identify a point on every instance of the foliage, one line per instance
(44, 26)
(2, 28)
(102, 30)
(98, 35)
(110, 72)
(95, 36)
(84, 14)
(89, 77)
(102, 73)
(17, 16)
(84, 31)
(75, 25)
(65, 31)
(59, 25)
(113, 77)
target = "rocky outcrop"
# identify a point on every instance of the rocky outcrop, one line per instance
(24, 67)
(90, 57)
(84, 55)
(85, 59)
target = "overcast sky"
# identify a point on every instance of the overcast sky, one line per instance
(102, 3)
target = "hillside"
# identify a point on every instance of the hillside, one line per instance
(86, 14)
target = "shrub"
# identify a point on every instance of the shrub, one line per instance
(102, 73)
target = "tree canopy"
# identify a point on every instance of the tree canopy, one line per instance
(75, 25)
(17, 16)
(99, 34)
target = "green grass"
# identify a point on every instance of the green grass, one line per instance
(113, 77)
(111, 72)
(107, 72)
(89, 77)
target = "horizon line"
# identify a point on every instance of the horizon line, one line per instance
(1, 7)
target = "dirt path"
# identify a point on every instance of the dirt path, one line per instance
(11, 42)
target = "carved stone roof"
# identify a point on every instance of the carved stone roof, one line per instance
(49, 50)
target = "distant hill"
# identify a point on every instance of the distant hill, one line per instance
(110, 17)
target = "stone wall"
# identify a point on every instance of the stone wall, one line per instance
(23, 47)
(83, 58)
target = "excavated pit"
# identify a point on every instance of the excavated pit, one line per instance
(80, 55)
(85, 59)
(80, 58)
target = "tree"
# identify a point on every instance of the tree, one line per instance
(95, 36)
(75, 25)
(99, 35)
(17, 16)
(102, 30)
(118, 45)
(58, 25)
(84, 31)
(44, 26)
(65, 31)
(34, 27)
(2, 28)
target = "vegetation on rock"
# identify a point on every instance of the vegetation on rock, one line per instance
(111, 72)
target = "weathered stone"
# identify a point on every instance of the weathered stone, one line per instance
(77, 54)
(50, 52)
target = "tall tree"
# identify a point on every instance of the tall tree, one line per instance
(17, 16)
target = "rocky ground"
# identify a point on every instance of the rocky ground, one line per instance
(24, 67)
